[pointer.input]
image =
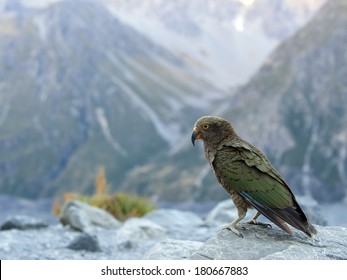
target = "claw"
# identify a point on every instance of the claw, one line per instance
(232, 226)
(234, 230)
(255, 222)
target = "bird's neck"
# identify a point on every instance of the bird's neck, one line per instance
(211, 148)
(209, 153)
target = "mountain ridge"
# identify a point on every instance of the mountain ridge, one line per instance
(82, 89)
(81, 94)
(292, 108)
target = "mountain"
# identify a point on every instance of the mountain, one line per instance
(297, 104)
(83, 86)
(294, 109)
(228, 40)
(80, 90)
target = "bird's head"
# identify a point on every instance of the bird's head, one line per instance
(212, 130)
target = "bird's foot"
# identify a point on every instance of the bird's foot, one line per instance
(255, 222)
(234, 230)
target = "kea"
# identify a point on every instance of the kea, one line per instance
(249, 178)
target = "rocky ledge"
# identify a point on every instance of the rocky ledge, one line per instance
(85, 232)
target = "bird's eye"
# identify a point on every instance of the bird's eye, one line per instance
(205, 126)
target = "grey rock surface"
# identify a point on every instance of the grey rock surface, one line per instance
(313, 210)
(274, 244)
(22, 222)
(224, 212)
(169, 234)
(178, 222)
(83, 217)
(138, 228)
(85, 242)
(170, 249)
(172, 218)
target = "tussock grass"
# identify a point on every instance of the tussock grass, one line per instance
(121, 205)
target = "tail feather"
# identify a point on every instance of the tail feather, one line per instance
(295, 219)
(278, 221)
(291, 215)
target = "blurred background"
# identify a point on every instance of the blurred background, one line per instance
(115, 86)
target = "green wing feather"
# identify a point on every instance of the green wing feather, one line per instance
(241, 167)
(245, 169)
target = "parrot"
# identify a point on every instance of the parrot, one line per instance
(249, 178)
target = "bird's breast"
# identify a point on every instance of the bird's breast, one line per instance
(209, 154)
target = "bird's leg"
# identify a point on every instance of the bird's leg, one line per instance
(232, 225)
(255, 222)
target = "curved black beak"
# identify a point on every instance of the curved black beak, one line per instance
(195, 135)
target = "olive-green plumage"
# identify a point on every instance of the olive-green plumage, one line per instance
(248, 176)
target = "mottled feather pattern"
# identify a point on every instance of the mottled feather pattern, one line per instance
(251, 174)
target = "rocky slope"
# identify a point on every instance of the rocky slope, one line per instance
(79, 90)
(275, 246)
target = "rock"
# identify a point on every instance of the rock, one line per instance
(137, 228)
(85, 242)
(173, 218)
(135, 237)
(171, 249)
(313, 210)
(177, 222)
(22, 222)
(273, 243)
(83, 217)
(223, 213)
(140, 238)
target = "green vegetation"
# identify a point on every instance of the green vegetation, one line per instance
(121, 205)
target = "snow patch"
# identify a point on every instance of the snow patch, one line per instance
(101, 117)
(247, 2)
(40, 22)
